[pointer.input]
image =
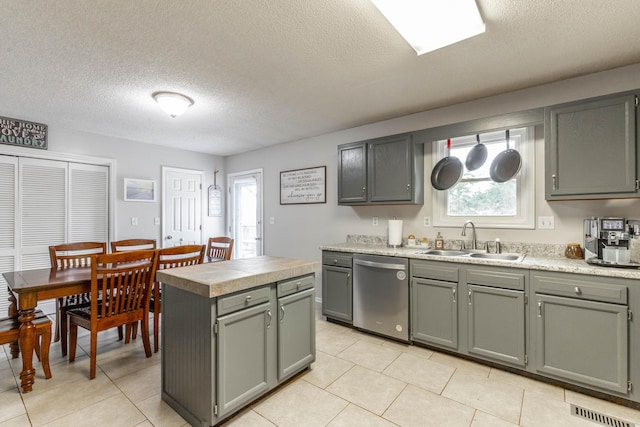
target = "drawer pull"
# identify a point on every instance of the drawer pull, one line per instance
(298, 284)
(577, 290)
(247, 299)
(335, 261)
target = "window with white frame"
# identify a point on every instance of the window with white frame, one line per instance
(477, 197)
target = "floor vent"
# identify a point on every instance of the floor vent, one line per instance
(597, 417)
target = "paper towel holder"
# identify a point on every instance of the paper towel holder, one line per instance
(396, 242)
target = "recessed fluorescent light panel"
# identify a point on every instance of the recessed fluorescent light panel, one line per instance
(428, 25)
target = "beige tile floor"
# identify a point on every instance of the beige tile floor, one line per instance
(357, 380)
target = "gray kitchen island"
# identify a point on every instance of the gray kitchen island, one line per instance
(232, 331)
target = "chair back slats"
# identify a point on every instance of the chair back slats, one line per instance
(132, 245)
(219, 248)
(180, 256)
(123, 281)
(75, 255)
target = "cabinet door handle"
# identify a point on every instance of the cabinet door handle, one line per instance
(408, 188)
(454, 295)
(348, 276)
(269, 316)
(469, 297)
(282, 311)
(539, 308)
(554, 183)
(364, 189)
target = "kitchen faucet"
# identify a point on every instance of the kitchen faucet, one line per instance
(473, 227)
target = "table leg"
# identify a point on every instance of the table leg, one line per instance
(27, 342)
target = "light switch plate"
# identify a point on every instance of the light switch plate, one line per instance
(546, 223)
(374, 220)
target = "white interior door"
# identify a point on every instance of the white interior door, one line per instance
(181, 207)
(245, 213)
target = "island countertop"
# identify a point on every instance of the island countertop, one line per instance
(215, 279)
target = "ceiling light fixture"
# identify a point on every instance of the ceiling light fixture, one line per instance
(428, 25)
(172, 103)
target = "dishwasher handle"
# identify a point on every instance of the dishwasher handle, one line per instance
(385, 265)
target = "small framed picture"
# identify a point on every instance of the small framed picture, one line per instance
(139, 190)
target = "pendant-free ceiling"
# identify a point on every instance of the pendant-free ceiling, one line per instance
(428, 25)
(172, 103)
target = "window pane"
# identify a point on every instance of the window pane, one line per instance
(482, 198)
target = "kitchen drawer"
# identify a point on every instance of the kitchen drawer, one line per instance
(291, 286)
(434, 270)
(497, 278)
(594, 288)
(230, 303)
(337, 259)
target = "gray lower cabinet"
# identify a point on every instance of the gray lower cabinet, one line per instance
(388, 170)
(246, 355)
(337, 286)
(582, 138)
(434, 306)
(496, 315)
(582, 330)
(434, 312)
(296, 326)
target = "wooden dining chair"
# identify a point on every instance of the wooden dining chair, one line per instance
(124, 281)
(10, 333)
(219, 249)
(177, 256)
(132, 245)
(71, 255)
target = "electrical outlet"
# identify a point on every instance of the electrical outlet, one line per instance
(427, 221)
(272, 220)
(156, 221)
(546, 223)
(134, 220)
(374, 221)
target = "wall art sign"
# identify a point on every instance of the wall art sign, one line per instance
(139, 190)
(22, 133)
(303, 186)
(215, 200)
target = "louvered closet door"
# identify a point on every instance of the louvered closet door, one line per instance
(88, 203)
(42, 215)
(8, 203)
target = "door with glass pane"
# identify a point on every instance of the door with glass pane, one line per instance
(245, 213)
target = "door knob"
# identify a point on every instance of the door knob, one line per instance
(169, 237)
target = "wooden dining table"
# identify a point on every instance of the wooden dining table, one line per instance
(31, 286)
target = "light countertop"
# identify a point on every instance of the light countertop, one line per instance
(537, 262)
(215, 279)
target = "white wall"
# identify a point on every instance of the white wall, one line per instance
(143, 161)
(300, 229)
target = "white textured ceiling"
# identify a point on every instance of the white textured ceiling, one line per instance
(264, 72)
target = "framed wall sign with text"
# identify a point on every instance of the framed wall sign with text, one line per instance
(303, 186)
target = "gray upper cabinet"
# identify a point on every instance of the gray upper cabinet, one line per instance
(591, 150)
(386, 170)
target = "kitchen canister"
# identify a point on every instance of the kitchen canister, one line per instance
(395, 233)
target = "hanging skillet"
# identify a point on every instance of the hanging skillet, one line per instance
(506, 165)
(447, 172)
(477, 156)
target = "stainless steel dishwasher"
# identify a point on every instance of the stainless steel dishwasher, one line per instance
(381, 295)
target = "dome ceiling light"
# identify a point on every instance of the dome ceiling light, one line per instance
(172, 103)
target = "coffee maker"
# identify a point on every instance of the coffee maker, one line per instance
(606, 241)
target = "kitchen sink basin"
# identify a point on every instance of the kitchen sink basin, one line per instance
(444, 252)
(504, 257)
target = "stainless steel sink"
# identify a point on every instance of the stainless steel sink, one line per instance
(444, 252)
(504, 257)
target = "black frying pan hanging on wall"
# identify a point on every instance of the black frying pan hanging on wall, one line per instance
(506, 165)
(477, 156)
(447, 172)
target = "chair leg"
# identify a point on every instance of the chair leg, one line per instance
(73, 340)
(93, 354)
(120, 334)
(44, 349)
(145, 335)
(15, 350)
(36, 348)
(127, 333)
(134, 330)
(58, 305)
(63, 331)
